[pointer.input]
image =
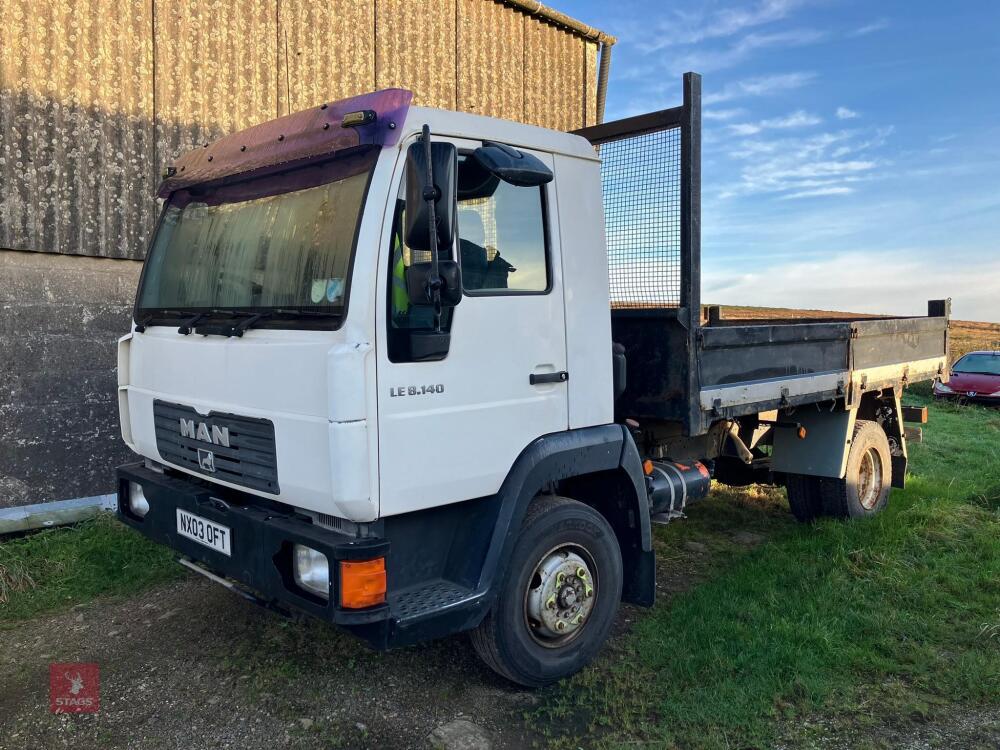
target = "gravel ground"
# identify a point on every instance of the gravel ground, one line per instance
(191, 665)
(954, 729)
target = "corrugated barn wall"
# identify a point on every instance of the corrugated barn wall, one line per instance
(97, 96)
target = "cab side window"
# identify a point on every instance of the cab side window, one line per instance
(501, 230)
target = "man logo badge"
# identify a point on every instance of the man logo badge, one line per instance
(200, 431)
(206, 460)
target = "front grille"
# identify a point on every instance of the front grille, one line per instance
(249, 460)
(341, 525)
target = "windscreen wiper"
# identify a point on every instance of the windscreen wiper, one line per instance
(188, 325)
(244, 325)
(240, 328)
(250, 319)
(141, 325)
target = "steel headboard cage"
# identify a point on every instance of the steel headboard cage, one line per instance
(651, 177)
(640, 176)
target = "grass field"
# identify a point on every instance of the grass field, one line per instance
(892, 619)
(896, 619)
(61, 567)
(766, 632)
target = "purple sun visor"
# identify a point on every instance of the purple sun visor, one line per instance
(295, 139)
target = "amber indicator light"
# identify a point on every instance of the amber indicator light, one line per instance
(362, 583)
(361, 117)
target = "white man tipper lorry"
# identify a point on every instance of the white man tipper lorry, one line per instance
(418, 372)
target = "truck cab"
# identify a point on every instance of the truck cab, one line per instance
(372, 377)
(329, 365)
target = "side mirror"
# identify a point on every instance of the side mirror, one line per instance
(444, 163)
(513, 166)
(418, 288)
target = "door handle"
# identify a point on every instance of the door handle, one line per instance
(548, 377)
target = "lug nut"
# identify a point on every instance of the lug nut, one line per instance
(589, 592)
(560, 625)
(560, 578)
(551, 602)
(581, 572)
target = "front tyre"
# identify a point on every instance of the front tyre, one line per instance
(558, 600)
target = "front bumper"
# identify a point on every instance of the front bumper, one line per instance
(262, 539)
(964, 397)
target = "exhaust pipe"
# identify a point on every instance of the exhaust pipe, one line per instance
(671, 485)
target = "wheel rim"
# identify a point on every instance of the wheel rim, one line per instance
(870, 479)
(560, 596)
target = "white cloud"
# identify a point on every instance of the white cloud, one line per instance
(760, 86)
(871, 28)
(798, 119)
(878, 281)
(706, 60)
(685, 27)
(816, 192)
(633, 72)
(722, 114)
(817, 165)
(843, 113)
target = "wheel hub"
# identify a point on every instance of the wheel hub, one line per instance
(870, 479)
(560, 597)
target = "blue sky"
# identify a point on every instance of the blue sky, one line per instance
(851, 149)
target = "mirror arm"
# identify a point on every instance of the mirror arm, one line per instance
(431, 195)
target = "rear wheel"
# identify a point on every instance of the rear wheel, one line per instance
(804, 497)
(864, 490)
(559, 597)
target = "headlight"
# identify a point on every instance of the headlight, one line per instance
(942, 388)
(311, 570)
(137, 502)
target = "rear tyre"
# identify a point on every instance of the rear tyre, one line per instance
(804, 497)
(864, 490)
(559, 597)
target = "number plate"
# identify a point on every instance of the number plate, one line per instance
(212, 535)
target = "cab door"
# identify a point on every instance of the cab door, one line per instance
(450, 430)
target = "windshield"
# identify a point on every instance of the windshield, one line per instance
(280, 242)
(985, 364)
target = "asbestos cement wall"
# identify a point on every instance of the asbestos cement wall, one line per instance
(60, 316)
(92, 110)
(97, 96)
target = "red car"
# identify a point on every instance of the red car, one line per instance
(974, 377)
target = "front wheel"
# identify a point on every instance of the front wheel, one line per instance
(559, 598)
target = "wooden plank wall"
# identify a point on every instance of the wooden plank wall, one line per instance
(97, 96)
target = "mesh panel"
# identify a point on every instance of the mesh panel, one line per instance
(641, 177)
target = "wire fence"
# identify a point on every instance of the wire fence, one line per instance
(641, 177)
